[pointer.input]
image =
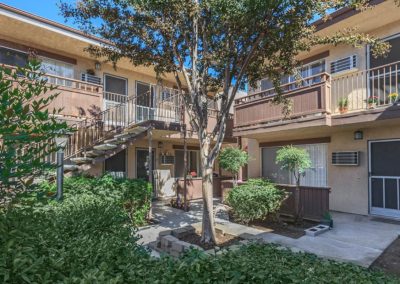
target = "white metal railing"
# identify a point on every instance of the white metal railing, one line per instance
(366, 89)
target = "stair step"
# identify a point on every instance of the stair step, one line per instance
(105, 147)
(82, 160)
(134, 130)
(115, 141)
(94, 153)
(70, 168)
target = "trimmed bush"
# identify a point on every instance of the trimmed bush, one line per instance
(256, 199)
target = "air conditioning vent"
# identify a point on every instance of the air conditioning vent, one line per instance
(344, 64)
(167, 160)
(346, 158)
(91, 79)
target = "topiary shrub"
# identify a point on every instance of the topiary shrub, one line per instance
(256, 199)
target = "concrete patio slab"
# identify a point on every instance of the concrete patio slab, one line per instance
(354, 238)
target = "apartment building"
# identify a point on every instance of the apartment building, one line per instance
(121, 115)
(344, 111)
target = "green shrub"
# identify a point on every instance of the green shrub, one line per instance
(88, 239)
(132, 194)
(256, 199)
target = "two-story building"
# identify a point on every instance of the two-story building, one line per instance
(121, 115)
(344, 111)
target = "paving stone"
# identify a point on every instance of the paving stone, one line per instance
(178, 246)
(165, 233)
(184, 231)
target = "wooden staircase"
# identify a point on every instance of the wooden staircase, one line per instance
(98, 138)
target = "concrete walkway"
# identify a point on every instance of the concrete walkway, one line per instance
(355, 238)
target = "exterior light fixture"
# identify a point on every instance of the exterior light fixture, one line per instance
(358, 135)
(97, 65)
(61, 142)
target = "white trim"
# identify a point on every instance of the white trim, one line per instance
(46, 26)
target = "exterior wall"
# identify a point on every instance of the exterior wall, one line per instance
(350, 183)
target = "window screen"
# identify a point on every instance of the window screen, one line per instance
(392, 56)
(315, 176)
(115, 85)
(385, 157)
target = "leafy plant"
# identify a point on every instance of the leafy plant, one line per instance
(27, 127)
(296, 161)
(343, 103)
(232, 159)
(255, 200)
(372, 100)
(393, 97)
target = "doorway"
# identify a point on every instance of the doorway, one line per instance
(116, 165)
(384, 178)
(142, 163)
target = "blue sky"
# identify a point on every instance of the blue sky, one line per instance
(44, 8)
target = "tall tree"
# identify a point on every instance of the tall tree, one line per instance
(28, 127)
(211, 46)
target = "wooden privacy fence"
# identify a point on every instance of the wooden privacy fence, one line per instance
(314, 201)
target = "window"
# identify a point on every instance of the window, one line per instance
(315, 176)
(13, 57)
(306, 71)
(59, 69)
(344, 64)
(193, 163)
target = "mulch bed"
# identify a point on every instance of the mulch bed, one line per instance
(223, 240)
(287, 228)
(389, 260)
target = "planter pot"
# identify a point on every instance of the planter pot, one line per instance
(327, 222)
(371, 105)
(343, 110)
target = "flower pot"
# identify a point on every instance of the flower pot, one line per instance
(371, 105)
(343, 110)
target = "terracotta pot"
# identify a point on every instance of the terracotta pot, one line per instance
(343, 110)
(371, 105)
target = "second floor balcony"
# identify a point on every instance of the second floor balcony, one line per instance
(323, 98)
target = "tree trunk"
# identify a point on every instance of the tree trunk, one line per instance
(208, 229)
(297, 209)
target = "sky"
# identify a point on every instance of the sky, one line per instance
(45, 8)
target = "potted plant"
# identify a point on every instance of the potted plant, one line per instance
(343, 105)
(393, 97)
(327, 219)
(372, 100)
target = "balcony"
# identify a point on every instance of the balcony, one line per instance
(308, 98)
(323, 100)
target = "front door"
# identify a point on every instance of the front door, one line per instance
(384, 178)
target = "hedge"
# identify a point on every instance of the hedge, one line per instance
(256, 199)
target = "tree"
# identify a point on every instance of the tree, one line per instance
(232, 159)
(27, 127)
(211, 46)
(296, 161)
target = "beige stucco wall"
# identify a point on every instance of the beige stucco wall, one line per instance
(350, 183)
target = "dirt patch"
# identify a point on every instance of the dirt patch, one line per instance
(389, 260)
(223, 240)
(286, 229)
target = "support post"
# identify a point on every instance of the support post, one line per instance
(240, 173)
(150, 166)
(185, 160)
(60, 174)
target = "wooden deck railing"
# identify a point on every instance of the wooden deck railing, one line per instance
(307, 97)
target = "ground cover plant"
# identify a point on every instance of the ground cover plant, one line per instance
(88, 238)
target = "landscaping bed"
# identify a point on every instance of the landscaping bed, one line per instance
(290, 230)
(389, 260)
(223, 240)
